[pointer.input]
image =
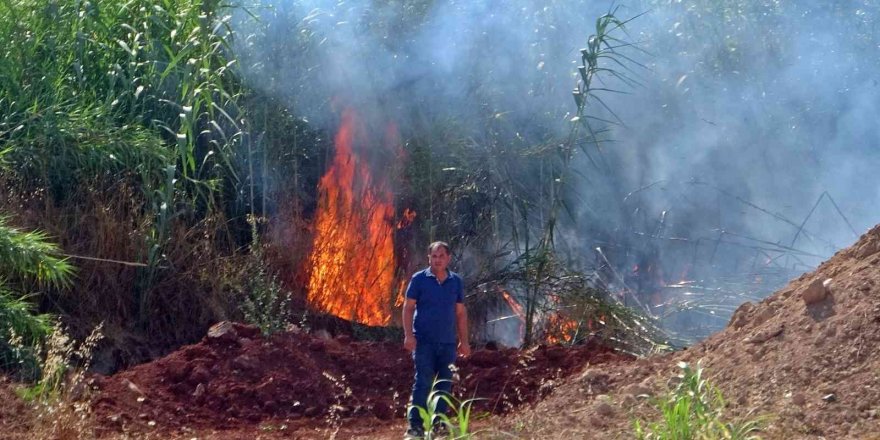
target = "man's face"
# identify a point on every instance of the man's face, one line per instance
(438, 259)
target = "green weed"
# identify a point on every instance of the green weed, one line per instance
(694, 411)
(457, 425)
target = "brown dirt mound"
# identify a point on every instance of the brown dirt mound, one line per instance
(235, 377)
(811, 365)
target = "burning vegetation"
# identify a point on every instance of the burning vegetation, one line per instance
(168, 167)
(353, 266)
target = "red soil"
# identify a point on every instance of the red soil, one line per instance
(235, 378)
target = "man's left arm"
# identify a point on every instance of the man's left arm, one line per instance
(464, 346)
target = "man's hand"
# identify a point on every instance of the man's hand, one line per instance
(409, 343)
(464, 350)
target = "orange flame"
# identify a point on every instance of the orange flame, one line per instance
(517, 310)
(408, 217)
(352, 260)
(561, 328)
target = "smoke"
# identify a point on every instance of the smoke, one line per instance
(747, 112)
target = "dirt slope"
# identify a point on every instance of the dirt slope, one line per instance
(235, 380)
(813, 368)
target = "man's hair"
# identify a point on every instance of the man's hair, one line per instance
(438, 244)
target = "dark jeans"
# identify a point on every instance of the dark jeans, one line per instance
(431, 360)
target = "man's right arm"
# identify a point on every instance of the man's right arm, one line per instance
(409, 310)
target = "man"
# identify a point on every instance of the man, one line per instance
(435, 328)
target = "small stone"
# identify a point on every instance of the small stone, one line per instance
(222, 330)
(131, 386)
(830, 332)
(830, 398)
(765, 314)
(597, 422)
(198, 375)
(244, 363)
(765, 335)
(798, 399)
(815, 292)
(200, 390)
(638, 390)
(740, 316)
(591, 375)
(604, 409)
(323, 334)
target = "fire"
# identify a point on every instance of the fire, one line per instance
(561, 328)
(517, 310)
(408, 217)
(352, 261)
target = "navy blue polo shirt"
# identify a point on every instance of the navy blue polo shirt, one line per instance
(434, 320)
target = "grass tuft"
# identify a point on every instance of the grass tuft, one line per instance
(694, 410)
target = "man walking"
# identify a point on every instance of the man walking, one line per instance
(435, 328)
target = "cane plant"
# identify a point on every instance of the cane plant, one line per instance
(28, 260)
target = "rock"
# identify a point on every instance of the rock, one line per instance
(638, 390)
(595, 381)
(244, 363)
(740, 316)
(131, 386)
(604, 409)
(765, 335)
(591, 375)
(223, 330)
(200, 390)
(764, 315)
(597, 421)
(198, 375)
(323, 334)
(830, 398)
(815, 292)
(828, 284)
(798, 399)
(868, 248)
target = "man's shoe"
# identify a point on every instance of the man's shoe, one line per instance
(414, 434)
(440, 431)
